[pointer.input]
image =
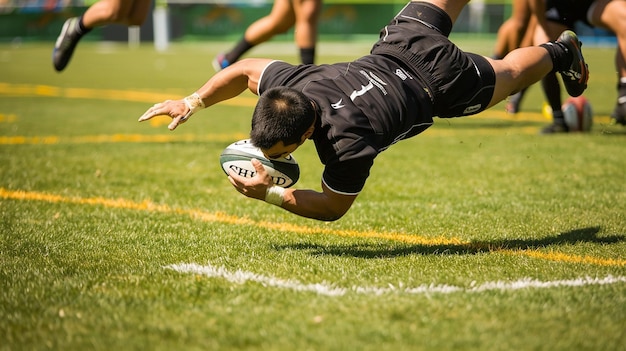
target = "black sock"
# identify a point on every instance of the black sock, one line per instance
(82, 30)
(307, 55)
(621, 90)
(241, 48)
(558, 117)
(561, 57)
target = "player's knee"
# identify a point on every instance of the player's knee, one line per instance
(620, 28)
(282, 28)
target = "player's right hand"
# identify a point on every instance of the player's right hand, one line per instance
(176, 109)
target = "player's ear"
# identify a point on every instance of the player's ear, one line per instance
(308, 133)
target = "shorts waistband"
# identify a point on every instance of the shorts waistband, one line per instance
(428, 15)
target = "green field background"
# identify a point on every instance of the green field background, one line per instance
(95, 208)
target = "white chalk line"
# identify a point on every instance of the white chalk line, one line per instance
(241, 277)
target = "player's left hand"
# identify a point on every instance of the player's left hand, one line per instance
(176, 109)
(255, 187)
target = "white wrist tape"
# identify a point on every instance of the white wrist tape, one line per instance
(194, 102)
(274, 195)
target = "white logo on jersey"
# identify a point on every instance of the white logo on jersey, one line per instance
(337, 105)
(377, 82)
(374, 81)
(403, 74)
(364, 89)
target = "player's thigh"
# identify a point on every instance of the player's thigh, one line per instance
(138, 11)
(609, 14)
(118, 11)
(528, 37)
(283, 15)
(307, 10)
(521, 12)
(549, 32)
(106, 12)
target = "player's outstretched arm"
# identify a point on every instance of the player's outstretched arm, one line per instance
(324, 206)
(224, 85)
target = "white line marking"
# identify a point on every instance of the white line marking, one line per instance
(241, 277)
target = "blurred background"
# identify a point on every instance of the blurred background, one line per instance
(184, 20)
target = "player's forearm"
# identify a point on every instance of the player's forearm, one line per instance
(233, 80)
(314, 205)
(308, 203)
(225, 85)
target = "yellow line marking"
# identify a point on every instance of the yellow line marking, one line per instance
(119, 138)
(220, 217)
(10, 118)
(561, 257)
(22, 90)
(25, 90)
(175, 137)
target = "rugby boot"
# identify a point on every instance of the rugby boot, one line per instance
(65, 44)
(619, 114)
(575, 78)
(555, 128)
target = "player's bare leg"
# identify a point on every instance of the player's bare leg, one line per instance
(99, 14)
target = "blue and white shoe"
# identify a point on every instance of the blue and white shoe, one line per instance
(220, 62)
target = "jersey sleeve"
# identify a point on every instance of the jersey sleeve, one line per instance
(348, 177)
(276, 73)
(347, 164)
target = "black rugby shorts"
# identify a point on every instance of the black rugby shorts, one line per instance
(459, 83)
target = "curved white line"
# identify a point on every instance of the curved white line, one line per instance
(323, 288)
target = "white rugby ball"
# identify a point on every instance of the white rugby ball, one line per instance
(236, 157)
(578, 114)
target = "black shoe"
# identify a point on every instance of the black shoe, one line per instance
(555, 128)
(65, 44)
(575, 78)
(619, 114)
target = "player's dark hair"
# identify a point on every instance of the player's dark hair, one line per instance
(281, 114)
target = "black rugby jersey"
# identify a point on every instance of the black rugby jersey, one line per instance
(363, 107)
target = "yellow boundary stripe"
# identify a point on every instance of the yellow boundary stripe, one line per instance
(118, 138)
(27, 90)
(175, 137)
(220, 217)
(166, 138)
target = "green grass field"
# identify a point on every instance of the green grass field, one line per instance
(478, 234)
